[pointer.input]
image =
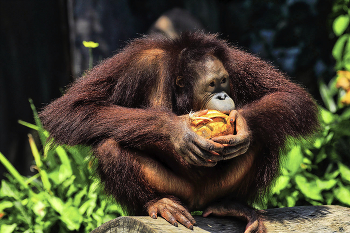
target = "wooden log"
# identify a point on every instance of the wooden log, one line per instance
(293, 219)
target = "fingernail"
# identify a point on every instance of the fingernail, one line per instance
(191, 228)
(154, 216)
(175, 224)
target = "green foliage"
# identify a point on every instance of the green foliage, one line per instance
(63, 196)
(341, 49)
(316, 172)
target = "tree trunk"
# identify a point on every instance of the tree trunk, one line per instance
(293, 219)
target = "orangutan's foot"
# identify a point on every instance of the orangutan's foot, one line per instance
(252, 216)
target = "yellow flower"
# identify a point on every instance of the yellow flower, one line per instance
(90, 44)
(344, 73)
(343, 80)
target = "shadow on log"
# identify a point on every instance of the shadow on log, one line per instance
(293, 219)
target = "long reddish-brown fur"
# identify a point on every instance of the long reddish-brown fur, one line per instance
(125, 106)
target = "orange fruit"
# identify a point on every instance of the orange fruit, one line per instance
(212, 124)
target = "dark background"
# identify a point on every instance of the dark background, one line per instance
(41, 48)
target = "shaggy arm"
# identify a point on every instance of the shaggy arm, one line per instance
(70, 122)
(279, 114)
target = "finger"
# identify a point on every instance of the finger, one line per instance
(165, 213)
(183, 220)
(241, 147)
(252, 226)
(233, 116)
(207, 212)
(208, 145)
(185, 212)
(190, 217)
(227, 139)
(253, 222)
(205, 155)
(241, 125)
(188, 156)
(191, 158)
(232, 140)
(235, 154)
(181, 215)
(152, 212)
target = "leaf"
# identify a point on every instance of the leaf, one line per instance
(8, 191)
(39, 163)
(100, 211)
(338, 48)
(344, 172)
(346, 59)
(332, 175)
(7, 228)
(37, 229)
(68, 182)
(56, 203)
(318, 143)
(25, 214)
(340, 24)
(60, 174)
(5, 205)
(72, 189)
(62, 154)
(332, 86)
(115, 208)
(327, 116)
(294, 159)
(329, 198)
(281, 183)
(346, 114)
(290, 201)
(43, 134)
(29, 125)
(309, 189)
(321, 155)
(88, 204)
(327, 98)
(98, 218)
(71, 217)
(325, 184)
(342, 194)
(79, 153)
(79, 196)
(13, 171)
